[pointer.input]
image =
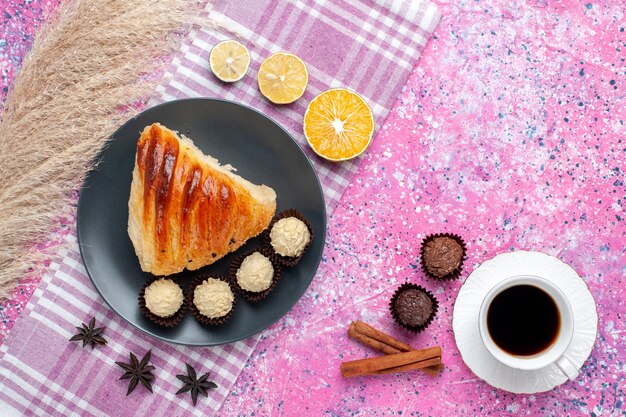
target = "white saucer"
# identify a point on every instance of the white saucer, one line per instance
(467, 305)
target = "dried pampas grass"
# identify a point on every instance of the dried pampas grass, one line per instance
(87, 67)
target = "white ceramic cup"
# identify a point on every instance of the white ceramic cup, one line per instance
(555, 353)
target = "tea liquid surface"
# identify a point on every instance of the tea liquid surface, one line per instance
(523, 320)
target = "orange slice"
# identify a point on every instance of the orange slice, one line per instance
(283, 78)
(229, 60)
(338, 124)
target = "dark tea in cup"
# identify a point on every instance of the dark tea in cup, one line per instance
(523, 320)
(526, 322)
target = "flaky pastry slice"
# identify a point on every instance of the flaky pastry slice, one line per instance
(185, 209)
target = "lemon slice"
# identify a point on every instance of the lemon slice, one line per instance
(283, 78)
(338, 125)
(229, 60)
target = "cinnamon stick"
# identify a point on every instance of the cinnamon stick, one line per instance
(434, 370)
(369, 331)
(418, 359)
(382, 342)
(423, 365)
(377, 344)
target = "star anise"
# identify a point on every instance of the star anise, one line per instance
(194, 384)
(89, 334)
(138, 371)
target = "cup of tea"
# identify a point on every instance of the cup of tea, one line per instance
(526, 322)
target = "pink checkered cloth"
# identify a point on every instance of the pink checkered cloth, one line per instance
(370, 46)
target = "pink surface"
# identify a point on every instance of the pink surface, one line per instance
(510, 132)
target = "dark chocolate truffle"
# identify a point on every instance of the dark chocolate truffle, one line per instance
(413, 307)
(442, 256)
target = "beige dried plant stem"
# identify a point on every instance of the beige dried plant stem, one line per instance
(87, 64)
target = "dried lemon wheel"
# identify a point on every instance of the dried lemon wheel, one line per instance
(283, 78)
(338, 124)
(229, 60)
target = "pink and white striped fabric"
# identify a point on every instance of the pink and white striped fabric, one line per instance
(43, 374)
(370, 46)
(367, 46)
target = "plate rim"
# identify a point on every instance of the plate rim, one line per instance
(95, 167)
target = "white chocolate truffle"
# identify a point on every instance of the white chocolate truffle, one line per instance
(255, 273)
(289, 237)
(163, 297)
(213, 298)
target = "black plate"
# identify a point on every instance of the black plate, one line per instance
(261, 151)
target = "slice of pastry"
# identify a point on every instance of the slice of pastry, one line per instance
(185, 209)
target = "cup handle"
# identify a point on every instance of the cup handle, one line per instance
(567, 367)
